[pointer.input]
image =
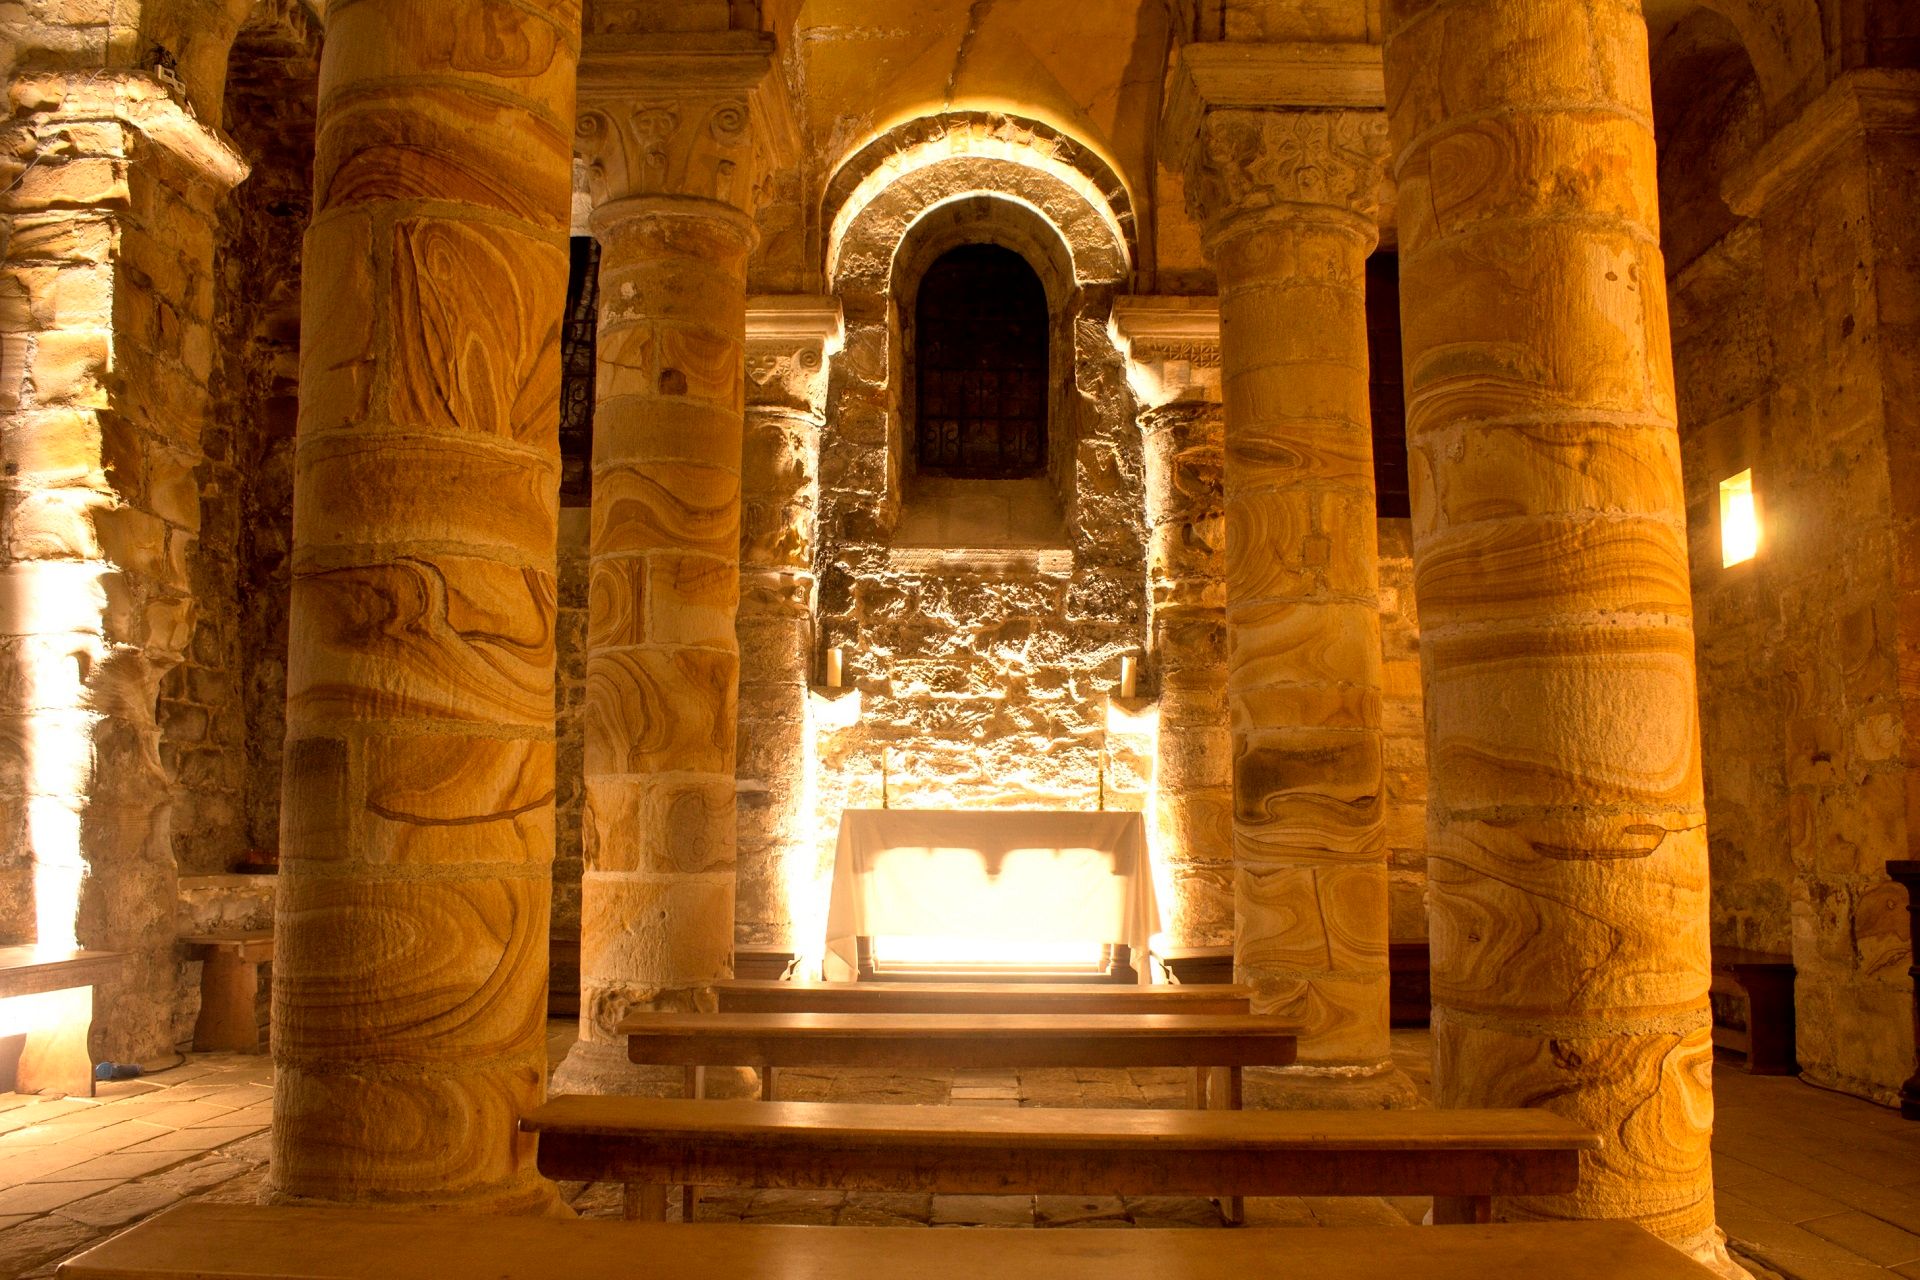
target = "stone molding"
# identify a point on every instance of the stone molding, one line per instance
(789, 340)
(139, 103)
(1245, 75)
(1171, 345)
(705, 116)
(1859, 102)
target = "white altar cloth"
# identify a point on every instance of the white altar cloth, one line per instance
(1008, 875)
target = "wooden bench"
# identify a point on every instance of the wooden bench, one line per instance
(229, 989)
(1463, 1158)
(1765, 980)
(955, 1042)
(48, 998)
(738, 995)
(199, 1241)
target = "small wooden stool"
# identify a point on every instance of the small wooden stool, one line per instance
(229, 989)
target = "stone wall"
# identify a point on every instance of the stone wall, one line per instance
(223, 709)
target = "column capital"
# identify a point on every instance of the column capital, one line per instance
(702, 115)
(53, 100)
(1874, 100)
(1171, 346)
(789, 338)
(1257, 126)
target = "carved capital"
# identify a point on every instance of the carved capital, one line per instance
(1172, 348)
(789, 340)
(701, 116)
(1256, 126)
(1246, 162)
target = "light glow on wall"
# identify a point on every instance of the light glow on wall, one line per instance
(1739, 520)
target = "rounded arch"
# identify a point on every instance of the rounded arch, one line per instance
(889, 185)
(1781, 38)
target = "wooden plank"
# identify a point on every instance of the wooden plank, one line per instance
(746, 996)
(910, 1041)
(1014, 1150)
(251, 1242)
(27, 970)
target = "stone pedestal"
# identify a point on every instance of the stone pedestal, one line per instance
(1287, 196)
(1568, 865)
(672, 129)
(417, 834)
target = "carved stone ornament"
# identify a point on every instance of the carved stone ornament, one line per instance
(704, 116)
(789, 340)
(1245, 161)
(1172, 347)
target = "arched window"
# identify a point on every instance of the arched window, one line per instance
(980, 330)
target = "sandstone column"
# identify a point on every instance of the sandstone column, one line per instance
(417, 824)
(669, 129)
(109, 190)
(1173, 351)
(1568, 890)
(781, 903)
(1287, 198)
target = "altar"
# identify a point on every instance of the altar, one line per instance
(986, 880)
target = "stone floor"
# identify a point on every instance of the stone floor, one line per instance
(1812, 1185)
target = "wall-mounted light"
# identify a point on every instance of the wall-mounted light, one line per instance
(837, 667)
(1739, 520)
(1129, 676)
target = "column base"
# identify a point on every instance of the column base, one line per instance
(1381, 1087)
(605, 1071)
(1710, 1251)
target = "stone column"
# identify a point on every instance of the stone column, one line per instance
(1568, 863)
(1173, 350)
(417, 823)
(108, 198)
(781, 903)
(669, 130)
(1287, 199)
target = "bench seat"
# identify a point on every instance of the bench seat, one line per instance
(958, 1042)
(227, 1242)
(1455, 1155)
(747, 996)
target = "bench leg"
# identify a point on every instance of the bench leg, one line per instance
(1456, 1210)
(54, 1058)
(229, 989)
(1234, 1209)
(645, 1202)
(1197, 1089)
(766, 1084)
(1236, 1090)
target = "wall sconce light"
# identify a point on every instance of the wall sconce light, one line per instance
(837, 667)
(1129, 676)
(1739, 520)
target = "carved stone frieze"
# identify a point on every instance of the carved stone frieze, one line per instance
(789, 341)
(1172, 348)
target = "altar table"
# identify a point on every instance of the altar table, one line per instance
(1014, 876)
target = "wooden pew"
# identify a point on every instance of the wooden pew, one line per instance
(1764, 979)
(740, 995)
(925, 1041)
(1463, 1158)
(201, 1241)
(1454, 1156)
(49, 996)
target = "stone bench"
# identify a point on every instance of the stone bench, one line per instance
(285, 1243)
(229, 989)
(959, 1042)
(46, 1004)
(1765, 980)
(1462, 1158)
